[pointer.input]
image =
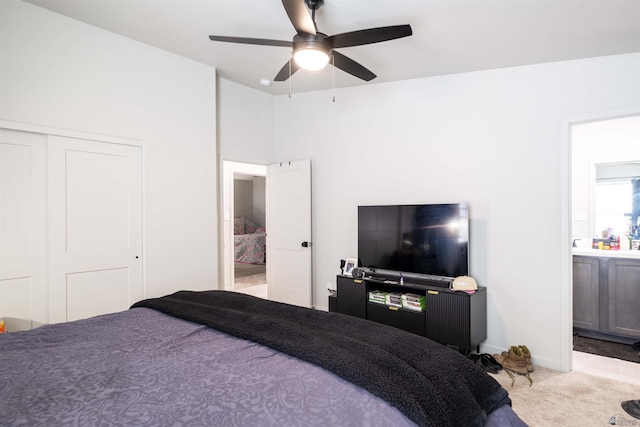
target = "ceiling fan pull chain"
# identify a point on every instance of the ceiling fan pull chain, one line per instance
(290, 59)
(313, 18)
(333, 76)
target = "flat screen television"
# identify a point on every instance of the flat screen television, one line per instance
(428, 239)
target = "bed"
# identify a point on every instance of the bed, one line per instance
(220, 358)
(249, 242)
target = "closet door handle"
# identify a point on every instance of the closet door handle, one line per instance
(306, 244)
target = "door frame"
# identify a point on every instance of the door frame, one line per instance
(566, 259)
(229, 169)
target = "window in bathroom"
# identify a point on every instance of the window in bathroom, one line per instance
(613, 206)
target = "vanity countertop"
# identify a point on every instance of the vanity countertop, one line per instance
(606, 253)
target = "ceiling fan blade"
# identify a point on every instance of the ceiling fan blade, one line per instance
(350, 66)
(246, 40)
(299, 16)
(372, 35)
(284, 72)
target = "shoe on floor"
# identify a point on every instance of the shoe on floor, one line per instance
(632, 407)
(482, 361)
(514, 360)
(490, 362)
(527, 357)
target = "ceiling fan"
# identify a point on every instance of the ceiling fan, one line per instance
(313, 49)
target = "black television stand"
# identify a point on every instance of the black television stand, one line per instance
(455, 319)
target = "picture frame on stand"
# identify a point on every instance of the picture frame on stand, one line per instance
(349, 265)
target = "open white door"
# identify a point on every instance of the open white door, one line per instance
(289, 232)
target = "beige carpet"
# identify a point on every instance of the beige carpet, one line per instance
(249, 275)
(569, 399)
(259, 291)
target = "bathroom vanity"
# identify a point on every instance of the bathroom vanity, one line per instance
(606, 294)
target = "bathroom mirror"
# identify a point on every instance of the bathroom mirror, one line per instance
(617, 197)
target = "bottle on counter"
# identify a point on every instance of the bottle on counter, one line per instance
(614, 243)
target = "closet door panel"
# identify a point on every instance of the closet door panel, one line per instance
(16, 302)
(111, 286)
(22, 230)
(95, 227)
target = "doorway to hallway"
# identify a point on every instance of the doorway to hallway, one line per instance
(244, 213)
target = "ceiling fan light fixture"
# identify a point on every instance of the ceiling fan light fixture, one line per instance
(312, 50)
(311, 58)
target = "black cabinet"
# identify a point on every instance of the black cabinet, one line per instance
(456, 319)
(352, 296)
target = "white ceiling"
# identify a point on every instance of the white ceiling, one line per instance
(449, 36)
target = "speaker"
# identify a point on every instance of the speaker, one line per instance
(357, 273)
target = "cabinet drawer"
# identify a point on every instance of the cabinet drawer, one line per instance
(410, 321)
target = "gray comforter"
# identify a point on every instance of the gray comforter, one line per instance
(145, 368)
(431, 384)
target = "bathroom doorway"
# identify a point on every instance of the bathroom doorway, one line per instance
(601, 149)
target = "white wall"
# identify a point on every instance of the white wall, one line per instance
(61, 73)
(245, 124)
(249, 198)
(245, 142)
(259, 200)
(492, 138)
(243, 198)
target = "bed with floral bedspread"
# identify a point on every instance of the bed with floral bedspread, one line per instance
(249, 242)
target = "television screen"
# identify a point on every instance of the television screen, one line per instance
(421, 239)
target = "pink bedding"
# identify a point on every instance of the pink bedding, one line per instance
(250, 248)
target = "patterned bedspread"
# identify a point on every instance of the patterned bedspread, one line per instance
(429, 383)
(250, 248)
(144, 368)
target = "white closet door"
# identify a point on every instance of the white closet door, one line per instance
(23, 292)
(95, 227)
